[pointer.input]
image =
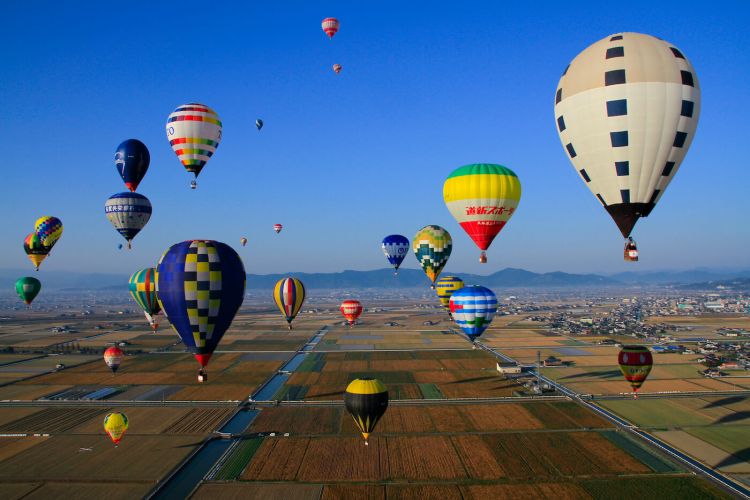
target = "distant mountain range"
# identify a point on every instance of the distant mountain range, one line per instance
(409, 278)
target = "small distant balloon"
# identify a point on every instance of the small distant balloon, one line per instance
(259, 124)
(243, 241)
(330, 25)
(337, 68)
(278, 228)
(351, 309)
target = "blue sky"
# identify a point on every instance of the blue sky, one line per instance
(345, 160)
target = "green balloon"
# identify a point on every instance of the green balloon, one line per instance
(27, 288)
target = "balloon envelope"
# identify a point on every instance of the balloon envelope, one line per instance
(482, 198)
(142, 286)
(194, 132)
(35, 251)
(243, 241)
(351, 309)
(131, 160)
(289, 295)
(395, 248)
(28, 288)
(113, 357)
(49, 229)
(128, 213)
(445, 286)
(635, 364)
(366, 400)
(278, 228)
(115, 424)
(432, 246)
(473, 308)
(330, 25)
(337, 68)
(200, 285)
(626, 111)
(259, 124)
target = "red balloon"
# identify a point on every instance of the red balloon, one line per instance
(351, 309)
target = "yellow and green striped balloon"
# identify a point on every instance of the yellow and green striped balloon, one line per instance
(432, 246)
(482, 197)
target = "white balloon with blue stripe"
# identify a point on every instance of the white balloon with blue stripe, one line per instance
(473, 308)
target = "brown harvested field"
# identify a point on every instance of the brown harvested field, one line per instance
(53, 420)
(449, 418)
(363, 463)
(406, 419)
(483, 385)
(11, 414)
(602, 451)
(423, 458)
(29, 392)
(353, 492)
(142, 420)
(299, 420)
(502, 417)
(91, 491)
(424, 492)
(258, 491)
(435, 377)
(277, 459)
(147, 458)
(16, 491)
(214, 392)
(477, 456)
(566, 415)
(11, 446)
(557, 491)
(200, 421)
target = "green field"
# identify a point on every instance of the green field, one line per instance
(238, 460)
(654, 462)
(664, 488)
(656, 413)
(733, 439)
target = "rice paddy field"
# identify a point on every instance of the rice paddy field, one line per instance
(478, 450)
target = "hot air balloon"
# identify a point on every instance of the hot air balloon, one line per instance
(395, 248)
(432, 246)
(277, 228)
(330, 25)
(113, 357)
(115, 424)
(49, 229)
(289, 294)
(259, 124)
(635, 364)
(626, 111)
(243, 241)
(482, 197)
(128, 213)
(35, 251)
(142, 286)
(28, 288)
(366, 400)
(473, 308)
(194, 132)
(131, 160)
(445, 287)
(119, 246)
(337, 68)
(200, 285)
(351, 309)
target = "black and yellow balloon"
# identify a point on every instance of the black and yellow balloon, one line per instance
(366, 399)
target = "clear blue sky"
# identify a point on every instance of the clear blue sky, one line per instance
(345, 160)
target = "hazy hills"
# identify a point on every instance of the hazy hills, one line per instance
(408, 278)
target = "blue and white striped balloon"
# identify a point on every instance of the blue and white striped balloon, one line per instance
(473, 308)
(128, 213)
(395, 248)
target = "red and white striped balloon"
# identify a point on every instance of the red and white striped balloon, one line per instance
(330, 26)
